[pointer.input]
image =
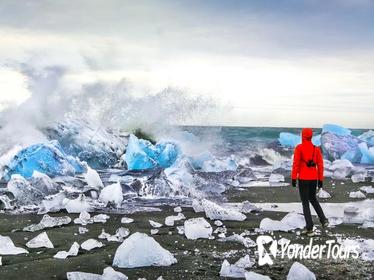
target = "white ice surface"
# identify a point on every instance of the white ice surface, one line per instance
(39, 241)
(216, 212)
(7, 247)
(112, 193)
(197, 228)
(140, 250)
(90, 244)
(256, 276)
(92, 178)
(330, 209)
(299, 271)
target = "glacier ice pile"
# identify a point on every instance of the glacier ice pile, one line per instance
(100, 147)
(48, 158)
(142, 154)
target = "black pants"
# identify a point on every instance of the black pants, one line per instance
(307, 190)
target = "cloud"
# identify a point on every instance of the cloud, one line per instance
(263, 59)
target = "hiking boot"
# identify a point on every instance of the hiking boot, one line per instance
(325, 224)
(308, 232)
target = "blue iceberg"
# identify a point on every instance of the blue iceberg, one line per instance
(368, 137)
(291, 140)
(367, 153)
(287, 139)
(100, 147)
(340, 147)
(45, 158)
(142, 154)
(336, 129)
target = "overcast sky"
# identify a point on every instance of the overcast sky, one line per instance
(268, 62)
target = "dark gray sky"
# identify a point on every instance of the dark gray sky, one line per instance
(272, 63)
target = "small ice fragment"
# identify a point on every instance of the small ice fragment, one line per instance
(245, 262)
(90, 244)
(82, 230)
(197, 228)
(218, 223)
(83, 219)
(231, 271)
(180, 230)
(357, 178)
(155, 224)
(177, 209)
(323, 194)
(216, 212)
(101, 218)
(169, 221)
(103, 235)
(290, 222)
(246, 241)
(48, 222)
(248, 207)
(73, 251)
(273, 225)
(154, 231)
(61, 255)
(299, 271)
(367, 189)
(368, 224)
(112, 193)
(126, 220)
(221, 230)
(141, 250)
(108, 274)
(40, 241)
(357, 194)
(7, 247)
(122, 233)
(77, 275)
(256, 276)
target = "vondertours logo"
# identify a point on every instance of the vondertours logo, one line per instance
(269, 249)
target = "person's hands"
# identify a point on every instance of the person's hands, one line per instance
(294, 183)
(320, 184)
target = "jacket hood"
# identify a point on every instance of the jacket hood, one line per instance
(307, 134)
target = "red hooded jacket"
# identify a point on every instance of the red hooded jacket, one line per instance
(303, 153)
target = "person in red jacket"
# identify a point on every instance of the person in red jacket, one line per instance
(307, 169)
